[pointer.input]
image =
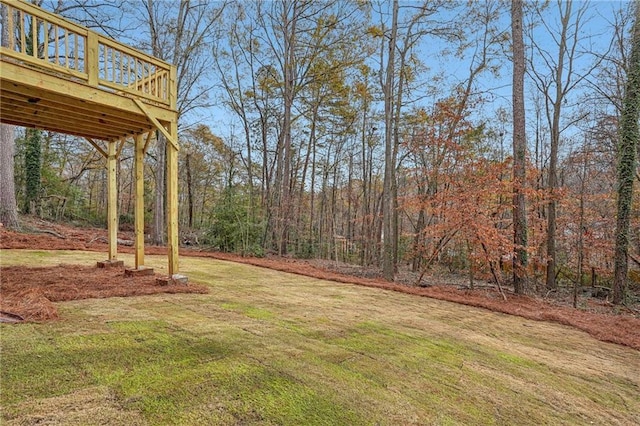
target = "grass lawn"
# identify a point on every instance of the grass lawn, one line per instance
(265, 347)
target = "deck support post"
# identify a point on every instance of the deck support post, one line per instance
(112, 201)
(139, 201)
(172, 199)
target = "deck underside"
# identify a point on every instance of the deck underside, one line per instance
(45, 101)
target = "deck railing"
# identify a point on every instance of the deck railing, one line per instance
(46, 41)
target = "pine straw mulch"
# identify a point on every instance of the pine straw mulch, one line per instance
(600, 319)
(29, 293)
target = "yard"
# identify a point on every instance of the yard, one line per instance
(267, 347)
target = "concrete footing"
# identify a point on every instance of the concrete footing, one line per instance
(141, 271)
(172, 280)
(110, 264)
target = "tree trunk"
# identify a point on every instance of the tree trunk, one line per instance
(289, 81)
(366, 205)
(350, 198)
(519, 153)
(388, 203)
(627, 153)
(8, 207)
(418, 238)
(189, 188)
(309, 159)
(33, 171)
(581, 229)
(553, 155)
(312, 195)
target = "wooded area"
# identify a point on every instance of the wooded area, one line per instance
(382, 133)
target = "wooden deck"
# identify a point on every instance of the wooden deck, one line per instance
(59, 76)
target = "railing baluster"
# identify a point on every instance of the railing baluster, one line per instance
(128, 69)
(72, 51)
(101, 55)
(83, 62)
(121, 68)
(113, 65)
(66, 48)
(106, 63)
(45, 40)
(48, 29)
(135, 75)
(76, 51)
(56, 41)
(147, 75)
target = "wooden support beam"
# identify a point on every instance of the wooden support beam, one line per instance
(97, 147)
(172, 140)
(120, 146)
(139, 202)
(112, 203)
(172, 201)
(146, 144)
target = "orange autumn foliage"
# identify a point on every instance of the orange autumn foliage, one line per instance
(462, 194)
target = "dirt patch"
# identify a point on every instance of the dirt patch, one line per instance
(29, 293)
(602, 320)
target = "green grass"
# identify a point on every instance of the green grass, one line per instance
(271, 348)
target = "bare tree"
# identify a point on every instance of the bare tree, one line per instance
(555, 78)
(399, 41)
(388, 205)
